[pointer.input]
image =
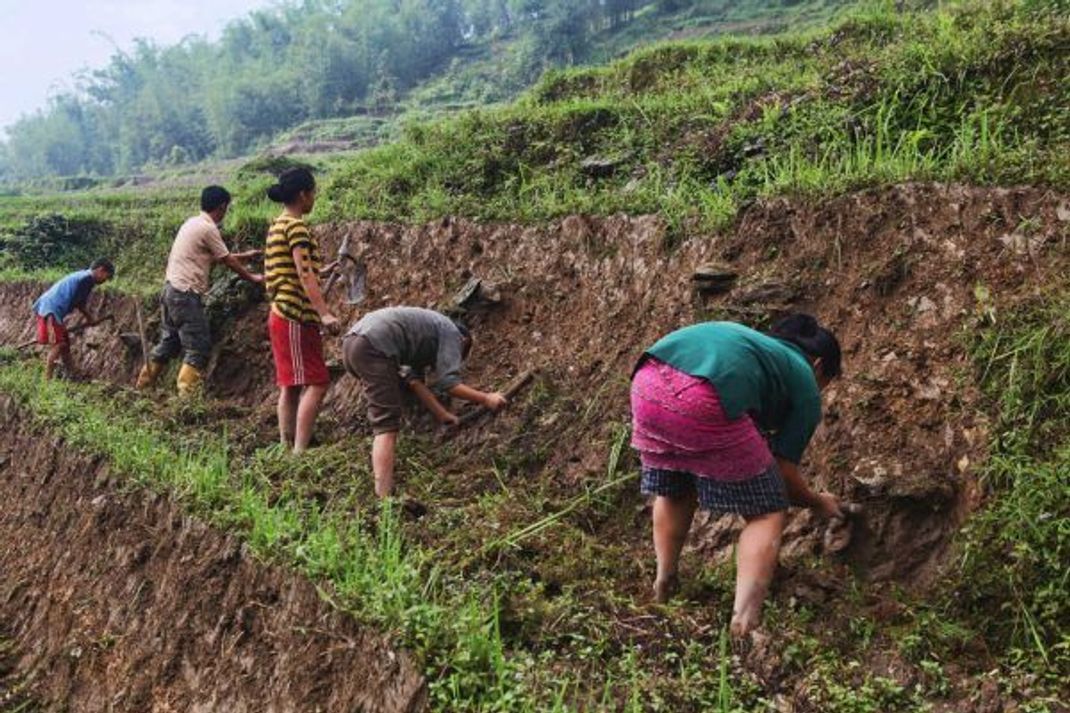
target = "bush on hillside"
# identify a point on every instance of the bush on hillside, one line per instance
(52, 240)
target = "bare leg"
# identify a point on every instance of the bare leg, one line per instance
(289, 397)
(60, 352)
(307, 410)
(756, 558)
(672, 522)
(55, 353)
(68, 362)
(383, 448)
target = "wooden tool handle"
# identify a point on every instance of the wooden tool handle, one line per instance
(141, 331)
(514, 387)
(72, 330)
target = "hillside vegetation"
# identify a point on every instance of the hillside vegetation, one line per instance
(974, 93)
(522, 587)
(688, 130)
(338, 74)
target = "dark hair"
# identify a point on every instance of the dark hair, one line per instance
(104, 263)
(291, 184)
(214, 197)
(803, 331)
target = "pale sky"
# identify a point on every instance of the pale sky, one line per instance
(47, 41)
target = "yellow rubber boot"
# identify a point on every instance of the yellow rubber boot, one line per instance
(189, 380)
(147, 376)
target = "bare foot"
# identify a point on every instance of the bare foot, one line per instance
(665, 589)
(742, 625)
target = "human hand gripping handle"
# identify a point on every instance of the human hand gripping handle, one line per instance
(310, 281)
(331, 324)
(494, 401)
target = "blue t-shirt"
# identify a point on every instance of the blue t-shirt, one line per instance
(768, 378)
(70, 292)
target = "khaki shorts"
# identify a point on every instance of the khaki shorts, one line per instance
(382, 384)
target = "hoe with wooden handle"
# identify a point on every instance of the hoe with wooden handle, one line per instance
(73, 330)
(514, 387)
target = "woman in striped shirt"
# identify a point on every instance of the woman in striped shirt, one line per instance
(298, 310)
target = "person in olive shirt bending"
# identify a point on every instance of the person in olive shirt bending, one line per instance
(721, 416)
(391, 349)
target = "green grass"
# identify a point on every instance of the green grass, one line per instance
(373, 574)
(971, 93)
(1017, 548)
(490, 634)
(695, 129)
(317, 514)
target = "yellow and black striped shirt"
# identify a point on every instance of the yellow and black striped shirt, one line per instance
(283, 284)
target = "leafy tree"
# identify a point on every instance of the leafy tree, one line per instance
(303, 59)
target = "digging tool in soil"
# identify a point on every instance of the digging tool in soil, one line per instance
(78, 329)
(350, 265)
(514, 387)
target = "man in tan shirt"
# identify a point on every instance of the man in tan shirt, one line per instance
(184, 328)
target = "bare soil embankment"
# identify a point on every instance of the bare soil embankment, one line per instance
(898, 272)
(120, 602)
(901, 273)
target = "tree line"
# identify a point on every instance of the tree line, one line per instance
(271, 70)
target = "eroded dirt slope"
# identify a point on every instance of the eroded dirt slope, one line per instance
(120, 602)
(898, 272)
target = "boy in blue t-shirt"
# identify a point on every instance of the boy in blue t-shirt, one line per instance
(69, 294)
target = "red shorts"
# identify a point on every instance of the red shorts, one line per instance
(298, 351)
(51, 331)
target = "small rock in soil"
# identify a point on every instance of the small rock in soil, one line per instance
(599, 167)
(714, 278)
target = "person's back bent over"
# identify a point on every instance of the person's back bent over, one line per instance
(702, 397)
(69, 294)
(390, 350)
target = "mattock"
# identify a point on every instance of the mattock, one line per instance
(514, 387)
(350, 264)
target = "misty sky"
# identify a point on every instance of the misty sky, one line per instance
(46, 41)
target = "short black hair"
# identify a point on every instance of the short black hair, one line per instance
(214, 197)
(803, 331)
(104, 263)
(291, 184)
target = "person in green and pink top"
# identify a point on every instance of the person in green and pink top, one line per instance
(721, 416)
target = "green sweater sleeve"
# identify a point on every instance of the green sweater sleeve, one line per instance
(791, 439)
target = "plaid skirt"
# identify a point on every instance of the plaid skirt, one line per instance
(762, 494)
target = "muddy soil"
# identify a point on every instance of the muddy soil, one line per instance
(899, 273)
(120, 602)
